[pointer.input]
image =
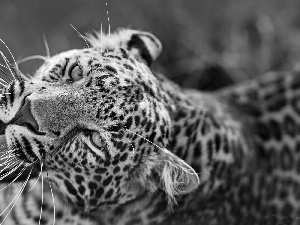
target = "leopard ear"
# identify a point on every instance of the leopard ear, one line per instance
(144, 46)
(175, 175)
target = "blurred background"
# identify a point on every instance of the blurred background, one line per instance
(207, 44)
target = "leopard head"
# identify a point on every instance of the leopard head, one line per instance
(99, 122)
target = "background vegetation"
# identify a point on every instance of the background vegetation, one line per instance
(207, 44)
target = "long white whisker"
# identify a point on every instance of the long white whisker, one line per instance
(129, 143)
(5, 157)
(31, 58)
(35, 182)
(46, 46)
(3, 66)
(11, 171)
(4, 72)
(52, 198)
(101, 39)
(7, 64)
(17, 71)
(10, 53)
(145, 139)
(5, 75)
(4, 154)
(7, 164)
(17, 196)
(9, 151)
(17, 75)
(42, 194)
(21, 75)
(13, 149)
(29, 75)
(107, 19)
(8, 160)
(80, 35)
(19, 174)
(2, 84)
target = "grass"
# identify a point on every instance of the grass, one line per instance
(226, 41)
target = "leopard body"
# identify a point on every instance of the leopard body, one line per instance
(120, 144)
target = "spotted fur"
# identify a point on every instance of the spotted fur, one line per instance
(120, 144)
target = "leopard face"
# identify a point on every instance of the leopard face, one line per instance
(98, 121)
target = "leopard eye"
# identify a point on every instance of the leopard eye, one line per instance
(75, 72)
(97, 139)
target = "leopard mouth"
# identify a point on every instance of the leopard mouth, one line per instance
(23, 118)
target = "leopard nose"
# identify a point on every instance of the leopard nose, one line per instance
(25, 118)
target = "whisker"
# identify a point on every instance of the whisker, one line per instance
(17, 75)
(6, 161)
(4, 74)
(8, 156)
(52, 198)
(5, 157)
(7, 165)
(11, 171)
(145, 139)
(22, 76)
(3, 66)
(101, 39)
(108, 19)
(35, 182)
(10, 53)
(29, 76)
(31, 58)
(9, 151)
(129, 142)
(42, 194)
(7, 65)
(20, 173)
(46, 46)
(80, 35)
(17, 196)
(3, 85)
(4, 154)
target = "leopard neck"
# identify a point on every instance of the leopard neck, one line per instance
(208, 136)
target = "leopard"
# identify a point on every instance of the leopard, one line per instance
(97, 137)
